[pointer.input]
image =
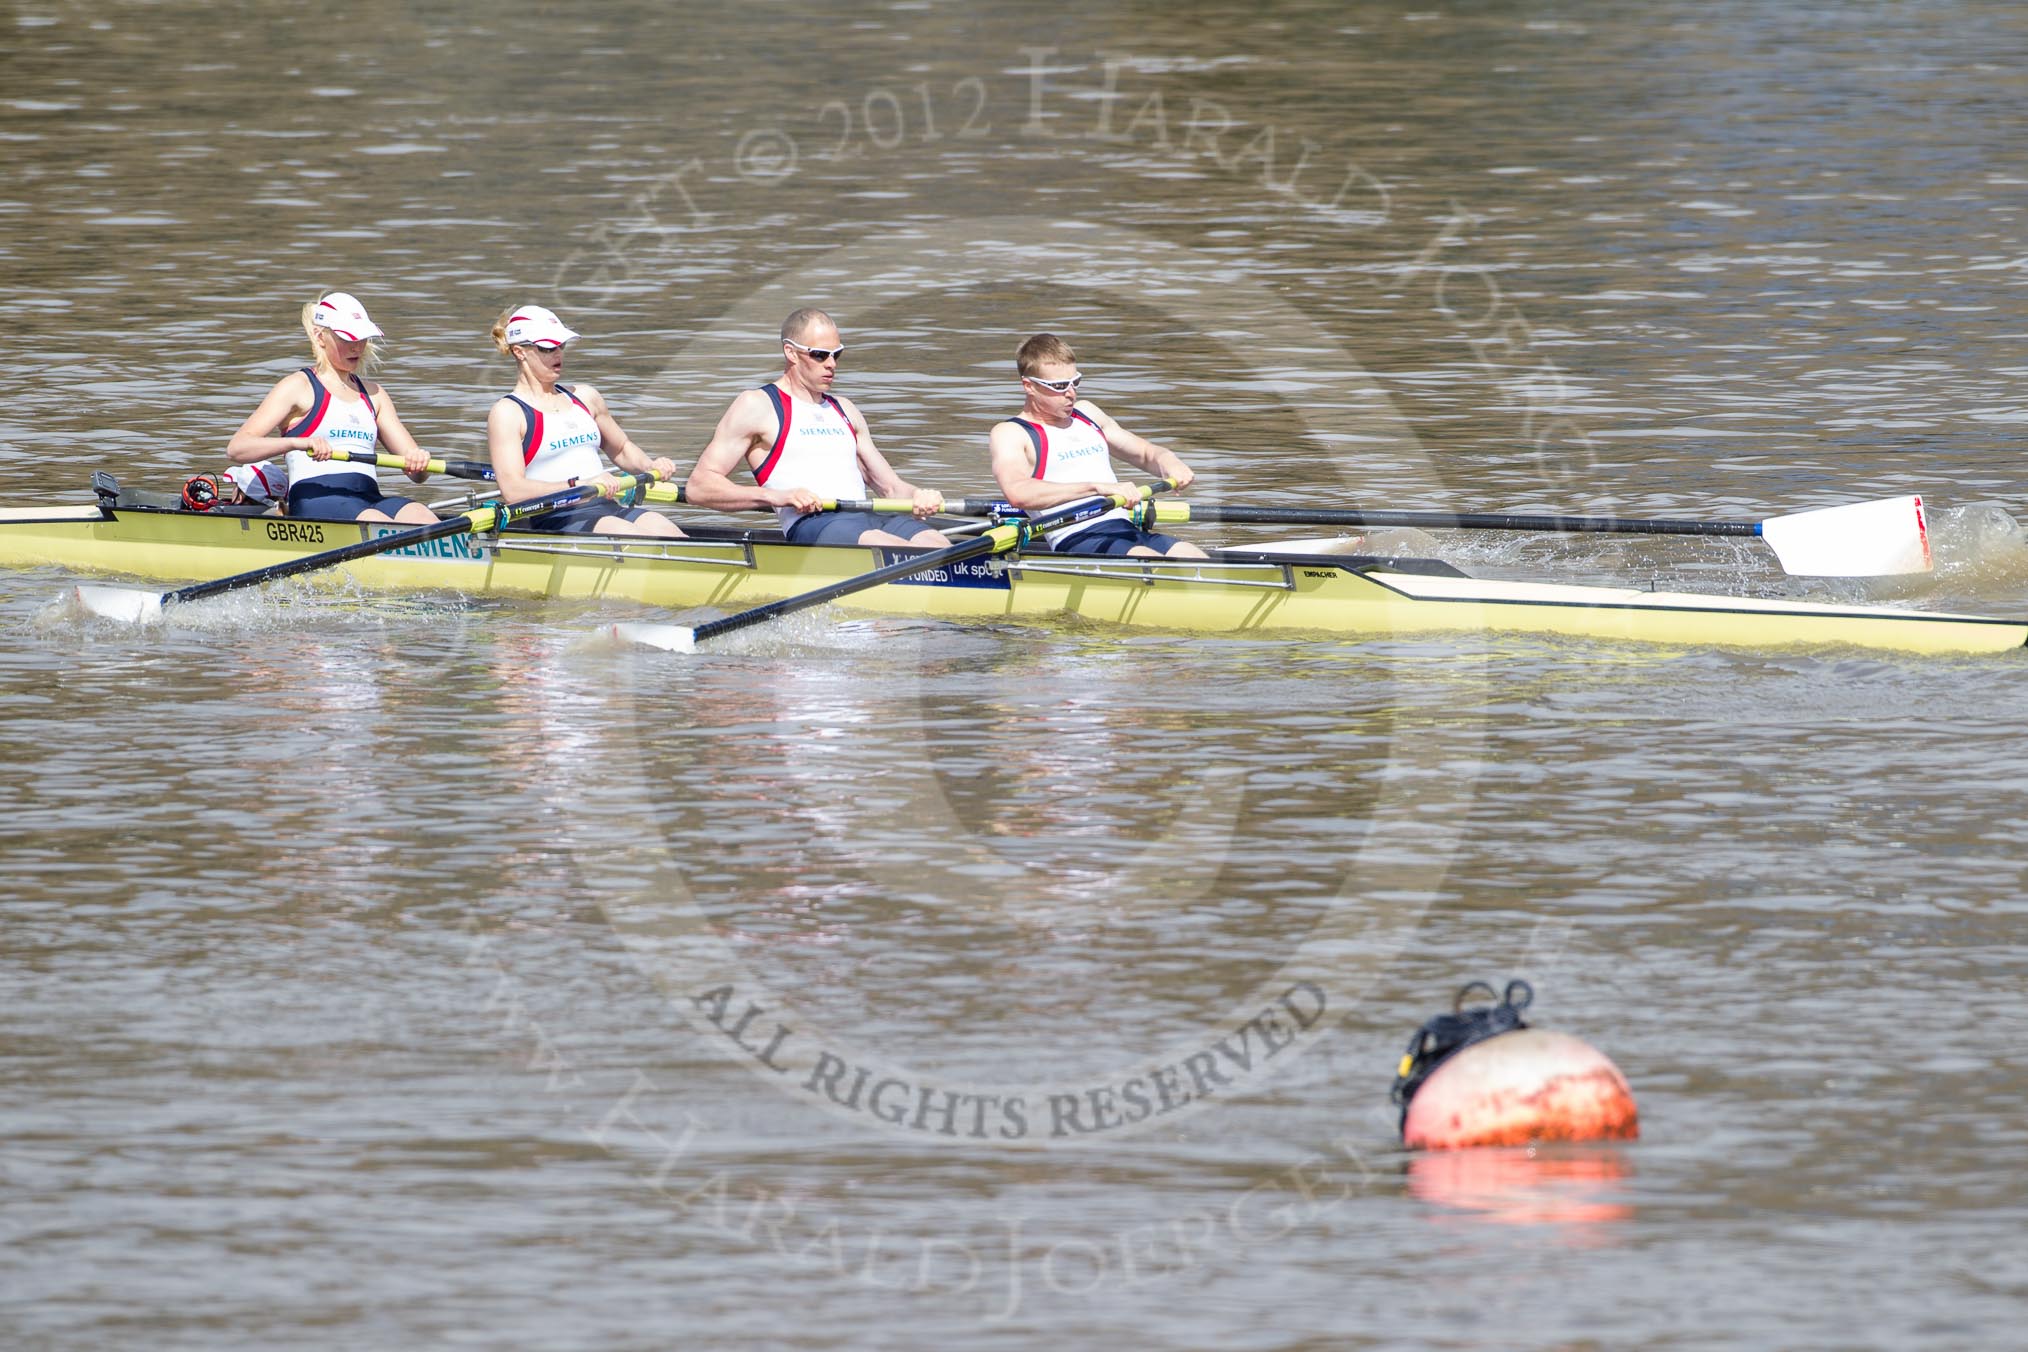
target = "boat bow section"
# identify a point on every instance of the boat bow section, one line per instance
(1693, 618)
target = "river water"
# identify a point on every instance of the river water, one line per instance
(423, 971)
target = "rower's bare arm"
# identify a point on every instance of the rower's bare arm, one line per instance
(1014, 471)
(1137, 449)
(506, 425)
(879, 474)
(394, 434)
(747, 423)
(873, 466)
(620, 448)
(256, 439)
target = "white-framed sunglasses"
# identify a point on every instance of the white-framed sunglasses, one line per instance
(816, 353)
(1057, 386)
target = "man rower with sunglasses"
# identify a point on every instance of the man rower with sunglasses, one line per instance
(806, 446)
(1056, 451)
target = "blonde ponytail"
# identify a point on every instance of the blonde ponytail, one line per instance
(310, 331)
(500, 332)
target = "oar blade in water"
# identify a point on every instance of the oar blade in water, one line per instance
(128, 605)
(1863, 539)
(670, 638)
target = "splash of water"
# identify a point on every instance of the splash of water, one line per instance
(1979, 547)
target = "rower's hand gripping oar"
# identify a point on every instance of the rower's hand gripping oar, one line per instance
(885, 506)
(456, 469)
(1863, 539)
(673, 493)
(136, 606)
(997, 540)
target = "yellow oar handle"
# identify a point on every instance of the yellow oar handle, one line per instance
(457, 469)
(386, 461)
(487, 515)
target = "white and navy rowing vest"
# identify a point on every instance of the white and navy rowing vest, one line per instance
(560, 447)
(817, 448)
(348, 425)
(1072, 455)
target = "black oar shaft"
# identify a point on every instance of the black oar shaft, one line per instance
(329, 558)
(468, 469)
(1168, 513)
(988, 543)
(993, 541)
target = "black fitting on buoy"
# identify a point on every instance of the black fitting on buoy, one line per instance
(1447, 1034)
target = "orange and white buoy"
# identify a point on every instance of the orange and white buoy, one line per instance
(1520, 1087)
(1483, 1077)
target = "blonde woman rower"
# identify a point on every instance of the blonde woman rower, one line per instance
(545, 436)
(330, 406)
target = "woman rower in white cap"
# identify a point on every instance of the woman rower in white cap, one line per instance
(545, 437)
(329, 406)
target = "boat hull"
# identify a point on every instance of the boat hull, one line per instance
(1233, 592)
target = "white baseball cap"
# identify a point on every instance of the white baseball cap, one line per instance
(345, 317)
(533, 324)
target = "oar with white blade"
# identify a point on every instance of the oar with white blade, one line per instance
(997, 540)
(136, 606)
(1864, 539)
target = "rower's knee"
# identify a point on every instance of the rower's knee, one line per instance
(1185, 550)
(648, 524)
(929, 539)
